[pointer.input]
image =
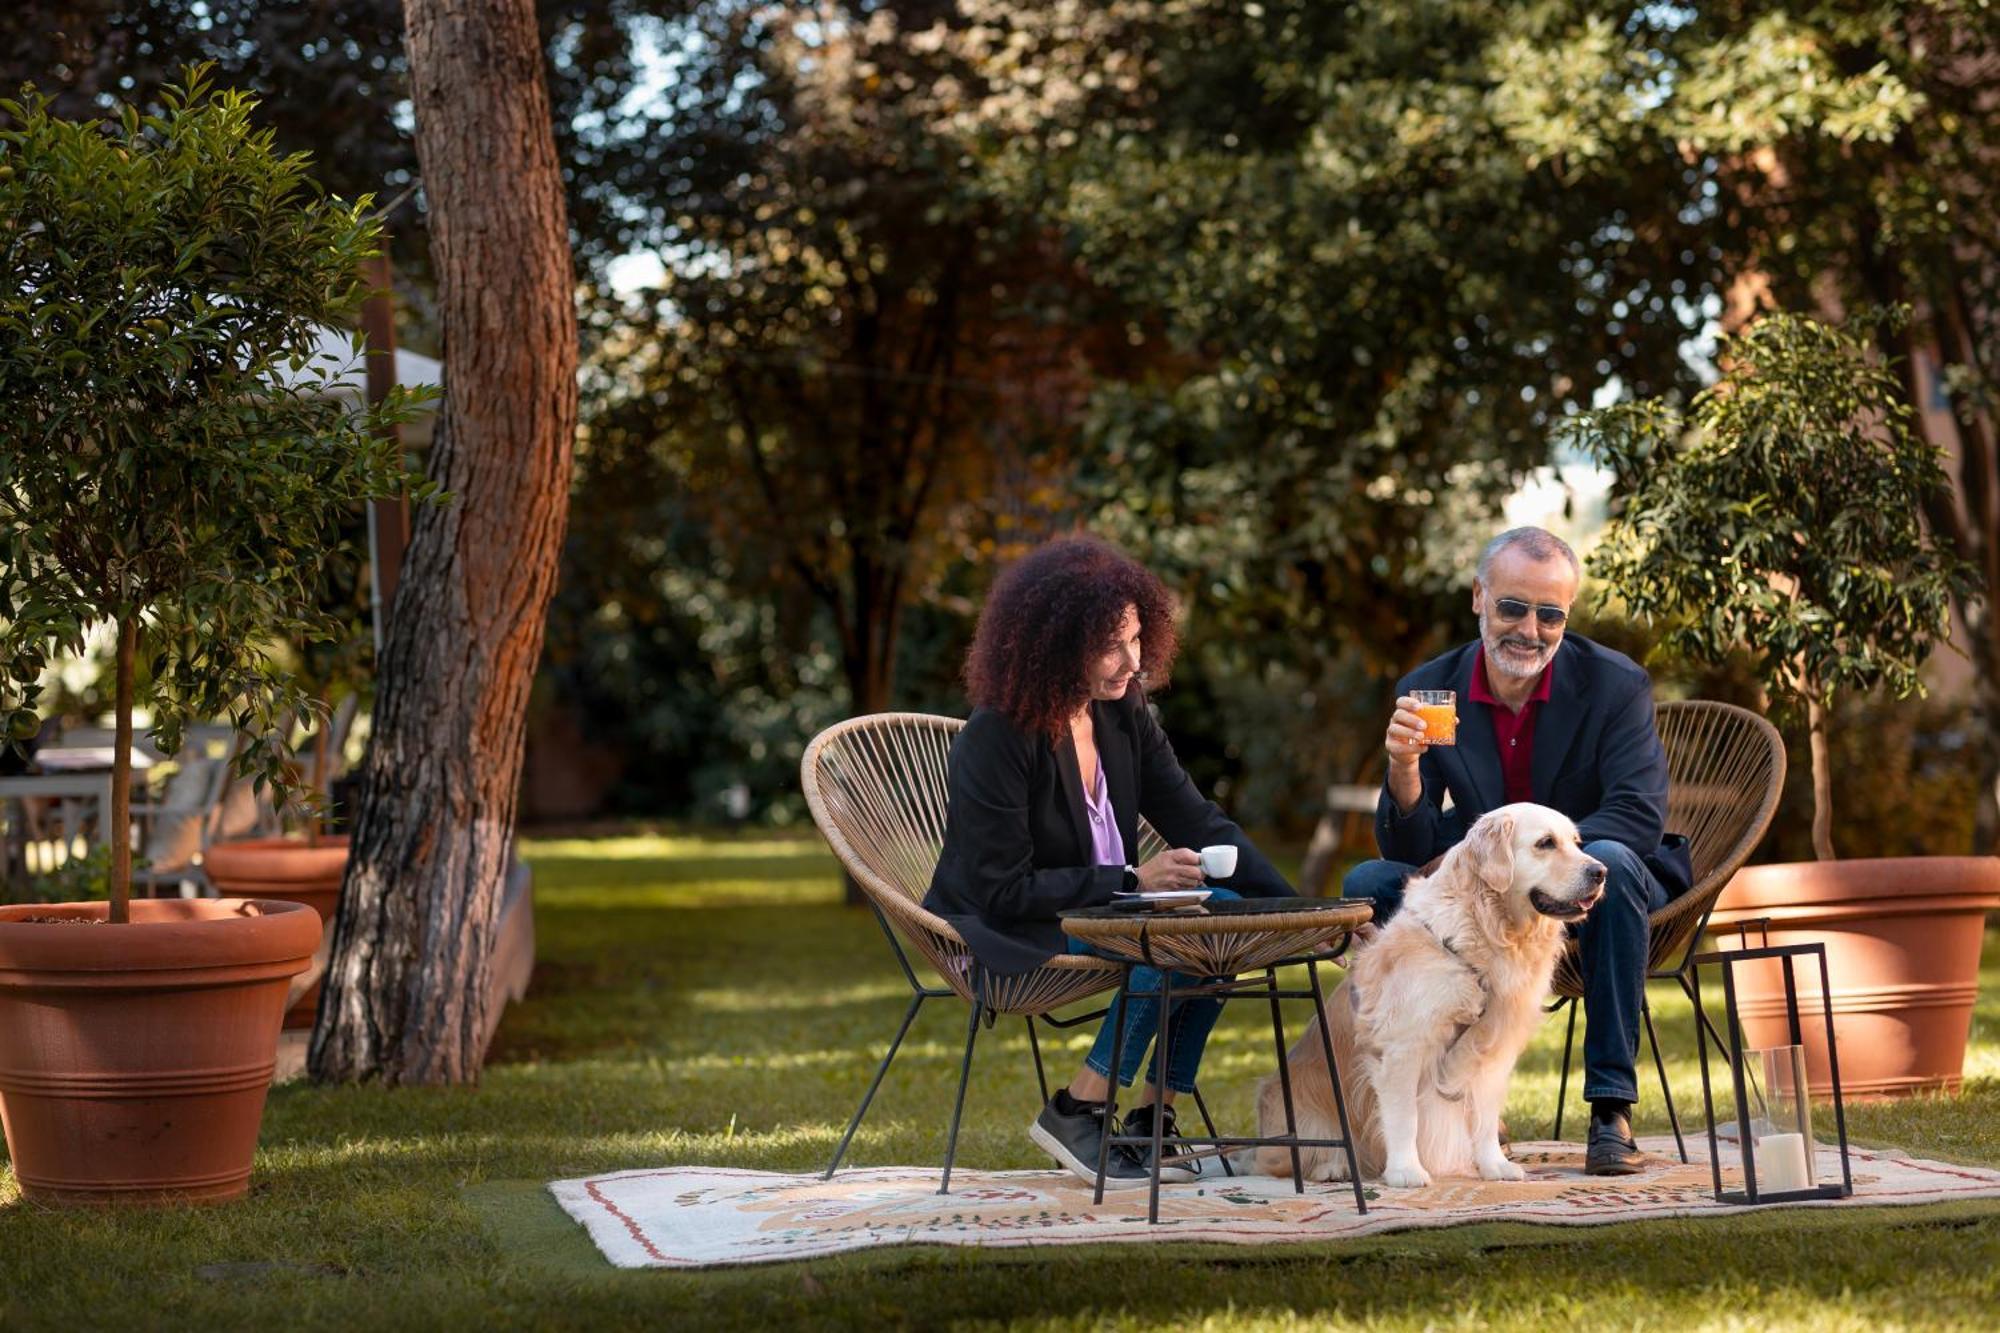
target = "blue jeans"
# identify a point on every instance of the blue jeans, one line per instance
(1188, 1024)
(1611, 946)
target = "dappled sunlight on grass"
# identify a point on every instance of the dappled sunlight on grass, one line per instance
(763, 999)
(662, 851)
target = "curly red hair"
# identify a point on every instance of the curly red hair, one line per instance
(1048, 615)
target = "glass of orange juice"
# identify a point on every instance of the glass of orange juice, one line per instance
(1439, 710)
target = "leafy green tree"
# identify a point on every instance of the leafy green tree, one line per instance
(1844, 154)
(1783, 511)
(1373, 301)
(169, 464)
(860, 354)
(1396, 245)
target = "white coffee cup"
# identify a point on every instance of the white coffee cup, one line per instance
(1219, 861)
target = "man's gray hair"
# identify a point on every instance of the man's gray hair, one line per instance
(1537, 543)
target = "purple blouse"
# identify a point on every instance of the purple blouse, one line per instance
(1105, 842)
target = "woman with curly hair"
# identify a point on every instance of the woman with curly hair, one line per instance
(1048, 780)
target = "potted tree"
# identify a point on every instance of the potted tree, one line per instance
(1783, 515)
(168, 468)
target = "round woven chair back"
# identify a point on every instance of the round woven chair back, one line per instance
(878, 788)
(1725, 771)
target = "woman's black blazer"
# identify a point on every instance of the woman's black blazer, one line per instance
(1017, 846)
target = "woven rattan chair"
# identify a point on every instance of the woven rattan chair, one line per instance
(1725, 770)
(876, 788)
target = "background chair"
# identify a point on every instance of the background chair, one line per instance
(1725, 770)
(49, 821)
(876, 787)
(201, 804)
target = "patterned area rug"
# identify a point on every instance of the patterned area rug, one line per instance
(698, 1217)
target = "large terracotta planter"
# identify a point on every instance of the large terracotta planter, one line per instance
(1902, 940)
(134, 1059)
(289, 870)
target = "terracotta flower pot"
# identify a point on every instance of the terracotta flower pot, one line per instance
(134, 1059)
(289, 870)
(1902, 940)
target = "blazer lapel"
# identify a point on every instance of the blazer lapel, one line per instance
(1556, 725)
(1068, 771)
(1477, 751)
(1117, 751)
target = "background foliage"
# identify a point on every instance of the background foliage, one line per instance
(1287, 297)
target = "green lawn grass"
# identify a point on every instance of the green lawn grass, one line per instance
(707, 1000)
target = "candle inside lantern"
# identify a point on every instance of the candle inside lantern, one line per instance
(1782, 1164)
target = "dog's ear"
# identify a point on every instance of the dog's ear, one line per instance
(1492, 846)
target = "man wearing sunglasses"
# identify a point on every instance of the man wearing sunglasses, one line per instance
(1552, 718)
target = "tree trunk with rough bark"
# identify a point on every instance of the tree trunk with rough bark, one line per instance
(407, 983)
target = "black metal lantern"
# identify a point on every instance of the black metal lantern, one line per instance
(1774, 1103)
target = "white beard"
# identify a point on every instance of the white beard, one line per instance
(1507, 663)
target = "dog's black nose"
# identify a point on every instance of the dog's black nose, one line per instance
(1595, 874)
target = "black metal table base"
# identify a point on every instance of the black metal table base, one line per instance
(1211, 1144)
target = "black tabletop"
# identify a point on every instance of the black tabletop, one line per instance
(1219, 907)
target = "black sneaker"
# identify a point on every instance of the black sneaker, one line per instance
(1175, 1166)
(1611, 1150)
(1073, 1140)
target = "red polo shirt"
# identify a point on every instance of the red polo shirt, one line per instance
(1513, 732)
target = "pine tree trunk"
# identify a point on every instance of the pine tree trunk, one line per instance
(406, 988)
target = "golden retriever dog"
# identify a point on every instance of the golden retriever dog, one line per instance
(1436, 1009)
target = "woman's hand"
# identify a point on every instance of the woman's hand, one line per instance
(1175, 868)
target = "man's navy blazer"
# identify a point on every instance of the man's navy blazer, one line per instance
(1017, 845)
(1598, 759)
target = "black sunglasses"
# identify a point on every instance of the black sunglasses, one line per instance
(1513, 608)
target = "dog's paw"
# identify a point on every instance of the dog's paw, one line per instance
(1501, 1169)
(1412, 1177)
(1325, 1173)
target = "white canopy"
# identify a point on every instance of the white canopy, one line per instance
(334, 356)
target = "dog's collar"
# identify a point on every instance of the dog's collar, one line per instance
(1452, 949)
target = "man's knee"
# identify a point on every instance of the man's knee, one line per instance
(1626, 880)
(1375, 879)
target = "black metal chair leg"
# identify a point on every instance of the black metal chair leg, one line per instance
(1701, 1017)
(1208, 1123)
(1653, 1040)
(958, 1107)
(909, 1016)
(1562, 1089)
(1035, 1045)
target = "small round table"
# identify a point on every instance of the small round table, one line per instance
(1231, 937)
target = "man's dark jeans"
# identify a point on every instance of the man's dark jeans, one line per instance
(1612, 948)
